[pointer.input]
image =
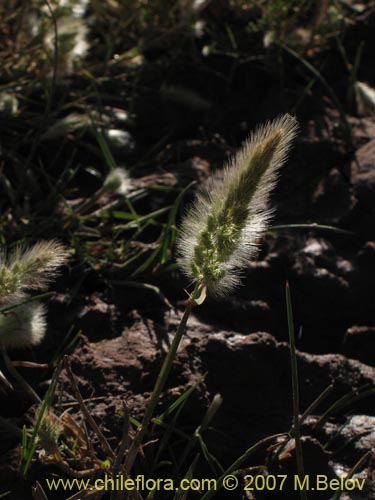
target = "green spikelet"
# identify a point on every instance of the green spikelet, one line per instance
(220, 232)
(23, 324)
(32, 268)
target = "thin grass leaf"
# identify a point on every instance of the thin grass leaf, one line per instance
(312, 226)
(181, 494)
(330, 91)
(344, 401)
(144, 286)
(32, 442)
(106, 152)
(212, 461)
(149, 261)
(170, 429)
(197, 435)
(28, 300)
(136, 423)
(182, 399)
(170, 229)
(327, 391)
(68, 342)
(295, 389)
(235, 467)
(357, 466)
(175, 408)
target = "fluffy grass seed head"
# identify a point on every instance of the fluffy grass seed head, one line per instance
(23, 326)
(48, 433)
(220, 232)
(117, 181)
(29, 269)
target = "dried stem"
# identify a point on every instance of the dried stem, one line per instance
(73, 382)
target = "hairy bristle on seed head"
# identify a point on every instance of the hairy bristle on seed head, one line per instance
(32, 268)
(23, 326)
(220, 232)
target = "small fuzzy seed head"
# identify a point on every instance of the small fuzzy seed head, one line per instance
(117, 181)
(48, 434)
(29, 269)
(23, 326)
(220, 232)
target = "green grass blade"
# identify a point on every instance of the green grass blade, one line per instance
(295, 388)
(32, 443)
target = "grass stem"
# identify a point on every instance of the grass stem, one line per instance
(160, 382)
(73, 382)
